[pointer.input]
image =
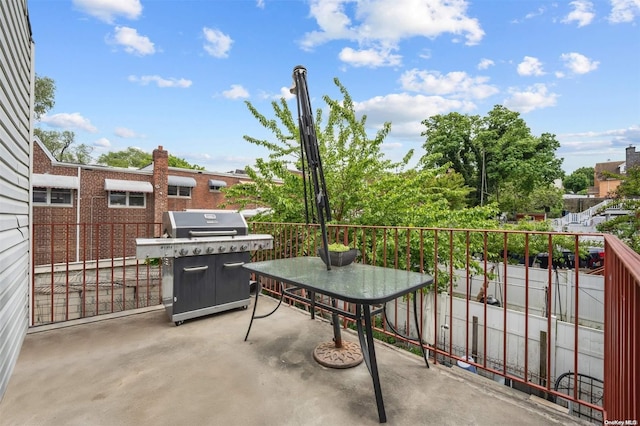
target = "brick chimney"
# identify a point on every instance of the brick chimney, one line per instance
(160, 183)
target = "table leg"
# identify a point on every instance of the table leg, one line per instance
(369, 354)
(418, 327)
(335, 319)
(255, 304)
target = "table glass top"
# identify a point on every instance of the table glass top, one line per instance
(355, 283)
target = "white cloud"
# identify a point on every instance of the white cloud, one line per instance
(236, 92)
(457, 84)
(582, 13)
(132, 41)
(260, 4)
(125, 133)
(578, 64)
(107, 10)
(385, 23)
(285, 92)
(618, 137)
(530, 66)
(217, 44)
(624, 11)
(69, 121)
(102, 143)
(372, 58)
(485, 63)
(407, 111)
(161, 81)
(534, 97)
(539, 12)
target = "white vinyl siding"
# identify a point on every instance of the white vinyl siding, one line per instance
(16, 105)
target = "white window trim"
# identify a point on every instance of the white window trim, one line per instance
(178, 188)
(48, 203)
(216, 188)
(126, 205)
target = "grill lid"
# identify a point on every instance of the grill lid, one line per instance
(191, 224)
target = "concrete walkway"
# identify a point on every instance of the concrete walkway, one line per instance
(141, 369)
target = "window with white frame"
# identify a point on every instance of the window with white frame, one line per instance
(127, 199)
(179, 191)
(62, 197)
(216, 185)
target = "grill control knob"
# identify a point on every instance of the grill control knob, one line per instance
(196, 250)
(232, 248)
(184, 252)
(209, 250)
(244, 247)
(221, 249)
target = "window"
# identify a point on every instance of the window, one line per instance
(53, 196)
(126, 199)
(179, 191)
(216, 185)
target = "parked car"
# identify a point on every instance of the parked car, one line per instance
(593, 259)
(564, 260)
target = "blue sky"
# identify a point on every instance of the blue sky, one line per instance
(177, 73)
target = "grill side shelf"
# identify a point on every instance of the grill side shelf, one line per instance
(180, 247)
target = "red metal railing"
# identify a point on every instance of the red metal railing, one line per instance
(545, 329)
(82, 270)
(463, 255)
(622, 333)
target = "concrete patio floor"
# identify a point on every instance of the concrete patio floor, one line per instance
(140, 369)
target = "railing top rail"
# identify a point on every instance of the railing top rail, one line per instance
(629, 258)
(439, 229)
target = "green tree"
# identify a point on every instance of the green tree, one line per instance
(579, 181)
(627, 227)
(44, 97)
(495, 154)
(130, 157)
(363, 187)
(630, 186)
(575, 183)
(137, 158)
(63, 147)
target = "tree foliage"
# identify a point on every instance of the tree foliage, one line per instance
(63, 147)
(363, 186)
(496, 154)
(137, 158)
(542, 199)
(627, 195)
(44, 96)
(579, 181)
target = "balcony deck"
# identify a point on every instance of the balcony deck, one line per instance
(140, 369)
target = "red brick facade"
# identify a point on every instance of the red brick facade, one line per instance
(83, 233)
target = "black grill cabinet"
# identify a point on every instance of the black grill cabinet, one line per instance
(202, 257)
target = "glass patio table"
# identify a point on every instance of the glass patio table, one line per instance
(365, 286)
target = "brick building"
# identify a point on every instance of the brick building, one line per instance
(85, 204)
(604, 184)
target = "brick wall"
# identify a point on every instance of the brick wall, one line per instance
(632, 157)
(107, 232)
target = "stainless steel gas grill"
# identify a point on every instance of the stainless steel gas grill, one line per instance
(202, 256)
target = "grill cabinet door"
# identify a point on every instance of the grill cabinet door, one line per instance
(232, 280)
(194, 283)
